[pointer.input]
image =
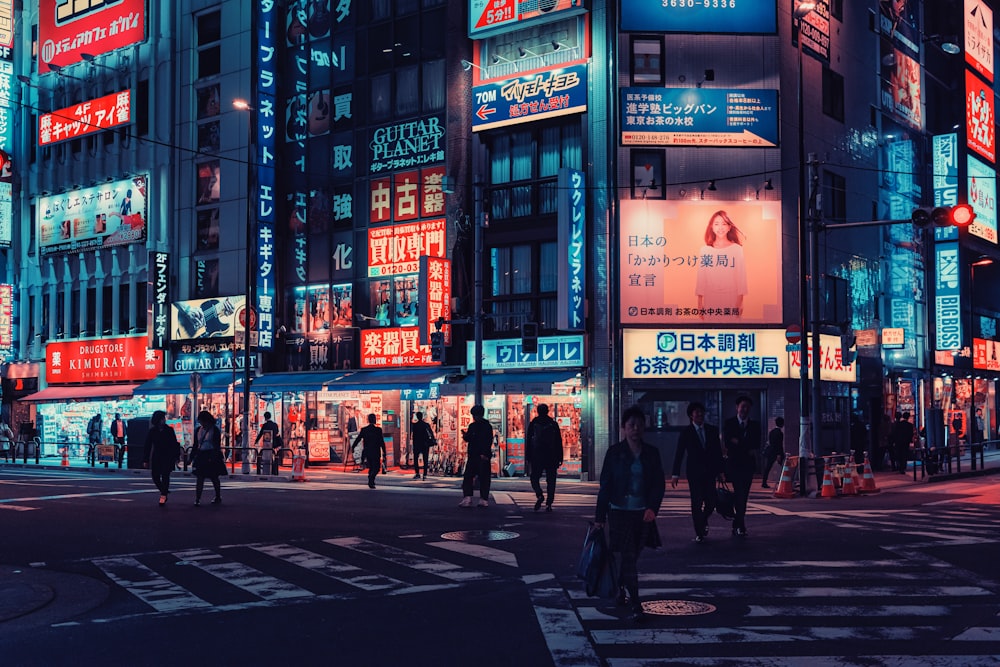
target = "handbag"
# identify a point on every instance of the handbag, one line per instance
(725, 503)
(596, 565)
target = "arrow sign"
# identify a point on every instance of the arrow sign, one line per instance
(485, 112)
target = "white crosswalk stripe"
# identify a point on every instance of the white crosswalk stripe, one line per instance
(950, 526)
(241, 576)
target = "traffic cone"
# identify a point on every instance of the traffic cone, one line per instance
(868, 480)
(829, 490)
(785, 488)
(849, 487)
(65, 457)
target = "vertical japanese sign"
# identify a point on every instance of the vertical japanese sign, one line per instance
(979, 37)
(814, 30)
(265, 146)
(6, 317)
(435, 296)
(6, 23)
(158, 297)
(980, 119)
(983, 198)
(6, 106)
(945, 183)
(572, 249)
(947, 297)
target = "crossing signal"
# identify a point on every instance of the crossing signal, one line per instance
(437, 346)
(529, 338)
(960, 215)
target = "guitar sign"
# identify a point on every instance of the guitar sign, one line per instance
(211, 318)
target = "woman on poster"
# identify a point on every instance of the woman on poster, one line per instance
(721, 282)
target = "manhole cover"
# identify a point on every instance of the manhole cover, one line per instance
(480, 535)
(677, 608)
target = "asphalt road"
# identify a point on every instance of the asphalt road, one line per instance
(93, 572)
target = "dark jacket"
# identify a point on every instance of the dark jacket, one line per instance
(703, 461)
(211, 462)
(547, 452)
(423, 436)
(374, 442)
(162, 449)
(740, 445)
(479, 437)
(616, 473)
(267, 426)
(902, 434)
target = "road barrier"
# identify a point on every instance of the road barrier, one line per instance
(786, 488)
(829, 490)
(868, 480)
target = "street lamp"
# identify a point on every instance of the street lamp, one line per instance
(806, 438)
(250, 284)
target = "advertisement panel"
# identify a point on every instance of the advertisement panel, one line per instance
(118, 359)
(814, 30)
(947, 297)
(984, 354)
(88, 117)
(540, 94)
(158, 298)
(67, 29)
(487, 17)
(396, 249)
(699, 117)
(945, 180)
(700, 262)
(6, 106)
(6, 23)
(901, 90)
(435, 294)
(898, 19)
(394, 347)
(6, 317)
(105, 215)
(737, 16)
(572, 244)
(983, 199)
(406, 145)
(205, 318)
(980, 130)
(831, 361)
(553, 352)
(979, 37)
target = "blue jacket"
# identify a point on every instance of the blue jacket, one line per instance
(616, 473)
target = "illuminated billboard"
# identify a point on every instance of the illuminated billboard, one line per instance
(699, 117)
(979, 37)
(985, 354)
(105, 215)
(396, 249)
(487, 17)
(205, 318)
(700, 262)
(983, 198)
(901, 90)
(947, 297)
(394, 347)
(686, 16)
(68, 29)
(980, 129)
(85, 118)
(117, 359)
(542, 93)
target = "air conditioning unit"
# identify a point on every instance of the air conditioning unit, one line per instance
(531, 8)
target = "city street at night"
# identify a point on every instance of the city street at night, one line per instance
(328, 571)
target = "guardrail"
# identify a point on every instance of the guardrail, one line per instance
(22, 448)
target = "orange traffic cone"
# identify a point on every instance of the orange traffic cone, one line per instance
(849, 487)
(785, 489)
(829, 490)
(868, 480)
(65, 457)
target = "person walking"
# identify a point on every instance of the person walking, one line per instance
(422, 438)
(161, 454)
(479, 440)
(271, 435)
(774, 451)
(118, 435)
(94, 428)
(374, 447)
(629, 498)
(741, 442)
(902, 437)
(545, 453)
(699, 441)
(208, 461)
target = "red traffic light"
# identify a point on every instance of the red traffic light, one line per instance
(960, 215)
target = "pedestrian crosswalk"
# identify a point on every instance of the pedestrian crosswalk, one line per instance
(243, 576)
(965, 524)
(777, 613)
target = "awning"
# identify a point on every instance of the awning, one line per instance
(180, 383)
(300, 381)
(404, 379)
(511, 382)
(83, 393)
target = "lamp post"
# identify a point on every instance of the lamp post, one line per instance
(805, 440)
(981, 261)
(477, 283)
(250, 286)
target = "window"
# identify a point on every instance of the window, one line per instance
(433, 85)
(208, 182)
(647, 175)
(206, 277)
(647, 60)
(141, 110)
(833, 94)
(834, 196)
(523, 280)
(381, 103)
(407, 91)
(209, 51)
(208, 229)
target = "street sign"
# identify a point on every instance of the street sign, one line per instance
(793, 334)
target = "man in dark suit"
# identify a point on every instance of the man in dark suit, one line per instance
(700, 442)
(740, 442)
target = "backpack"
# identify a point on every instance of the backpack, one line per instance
(545, 439)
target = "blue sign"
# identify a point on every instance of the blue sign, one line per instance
(540, 94)
(715, 16)
(553, 352)
(572, 248)
(265, 149)
(945, 180)
(699, 117)
(947, 297)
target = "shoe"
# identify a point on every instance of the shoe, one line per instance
(699, 539)
(197, 503)
(466, 502)
(740, 532)
(621, 599)
(371, 485)
(163, 500)
(425, 476)
(548, 508)
(765, 485)
(637, 615)
(538, 504)
(416, 477)
(217, 500)
(483, 502)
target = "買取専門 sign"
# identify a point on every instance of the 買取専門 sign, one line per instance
(540, 94)
(699, 117)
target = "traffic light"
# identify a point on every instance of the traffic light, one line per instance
(437, 346)
(960, 215)
(529, 337)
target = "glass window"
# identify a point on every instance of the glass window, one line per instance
(407, 91)
(208, 102)
(548, 271)
(206, 277)
(381, 107)
(209, 28)
(833, 94)
(208, 229)
(208, 137)
(209, 62)
(208, 182)
(647, 61)
(433, 85)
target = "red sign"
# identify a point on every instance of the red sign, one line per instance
(793, 334)
(979, 116)
(85, 118)
(435, 294)
(397, 249)
(6, 315)
(102, 360)
(406, 195)
(394, 347)
(380, 202)
(985, 354)
(67, 29)
(432, 192)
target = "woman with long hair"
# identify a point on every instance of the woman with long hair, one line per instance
(207, 457)
(721, 282)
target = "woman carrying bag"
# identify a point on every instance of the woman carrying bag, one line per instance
(632, 486)
(208, 459)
